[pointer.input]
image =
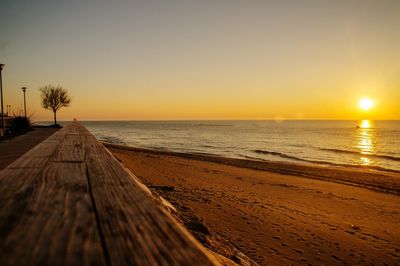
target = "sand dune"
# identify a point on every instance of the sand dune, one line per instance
(276, 218)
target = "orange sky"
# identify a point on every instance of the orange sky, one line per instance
(204, 59)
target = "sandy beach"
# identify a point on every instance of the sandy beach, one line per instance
(277, 213)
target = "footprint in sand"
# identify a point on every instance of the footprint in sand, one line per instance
(274, 250)
(299, 251)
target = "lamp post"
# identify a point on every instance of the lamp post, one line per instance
(1, 92)
(24, 90)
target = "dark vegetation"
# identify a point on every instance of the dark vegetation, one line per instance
(20, 124)
(17, 125)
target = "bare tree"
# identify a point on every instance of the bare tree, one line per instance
(53, 98)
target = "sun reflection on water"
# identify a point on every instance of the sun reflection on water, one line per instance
(365, 145)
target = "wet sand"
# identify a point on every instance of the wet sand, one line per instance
(278, 213)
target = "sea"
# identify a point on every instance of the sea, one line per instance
(365, 143)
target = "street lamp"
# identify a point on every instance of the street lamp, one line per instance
(1, 92)
(24, 90)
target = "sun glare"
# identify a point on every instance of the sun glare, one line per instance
(365, 124)
(365, 104)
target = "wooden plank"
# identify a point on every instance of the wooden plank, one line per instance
(136, 230)
(71, 149)
(46, 215)
(69, 201)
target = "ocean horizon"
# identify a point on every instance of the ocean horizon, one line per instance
(357, 143)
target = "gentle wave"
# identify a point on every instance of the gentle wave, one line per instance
(393, 158)
(283, 155)
(208, 146)
(213, 125)
(112, 140)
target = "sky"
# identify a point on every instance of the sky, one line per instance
(208, 59)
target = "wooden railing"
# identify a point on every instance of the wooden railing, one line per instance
(68, 201)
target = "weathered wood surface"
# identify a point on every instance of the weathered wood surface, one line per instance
(68, 201)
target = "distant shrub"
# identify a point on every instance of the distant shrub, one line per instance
(20, 124)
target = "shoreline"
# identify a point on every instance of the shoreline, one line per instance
(367, 177)
(275, 213)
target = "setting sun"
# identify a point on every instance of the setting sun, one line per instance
(365, 104)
